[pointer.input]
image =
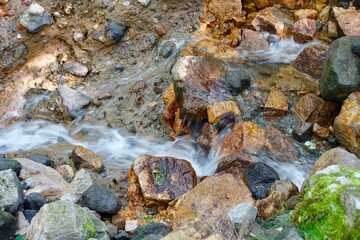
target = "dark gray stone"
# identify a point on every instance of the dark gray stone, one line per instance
(238, 79)
(6, 164)
(355, 47)
(151, 229)
(34, 201)
(35, 18)
(303, 131)
(7, 225)
(114, 31)
(43, 159)
(122, 235)
(341, 70)
(101, 199)
(29, 214)
(260, 178)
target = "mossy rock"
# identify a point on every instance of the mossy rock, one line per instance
(329, 205)
(6, 164)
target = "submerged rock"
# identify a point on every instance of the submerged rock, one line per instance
(328, 205)
(7, 225)
(35, 18)
(159, 179)
(101, 199)
(341, 70)
(11, 193)
(66, 220)
(346, 124)
(276, 104)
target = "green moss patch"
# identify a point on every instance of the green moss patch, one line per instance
(320, 213)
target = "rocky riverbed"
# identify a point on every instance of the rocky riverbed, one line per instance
(160, 119)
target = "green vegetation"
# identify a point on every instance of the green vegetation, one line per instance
(158, 175)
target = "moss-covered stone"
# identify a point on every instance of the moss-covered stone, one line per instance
(329, 208)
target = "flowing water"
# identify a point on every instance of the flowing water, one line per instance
(119, 149)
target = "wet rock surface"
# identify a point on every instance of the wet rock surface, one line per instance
(11, 193)
(85, 158)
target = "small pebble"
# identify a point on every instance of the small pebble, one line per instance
(160, 30)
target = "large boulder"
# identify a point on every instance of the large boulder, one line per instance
(101, 199)
(329, 204)
(48, 181)
(159, 180)
(66, 220)
(198, 81)
(7, 225)
(11, 193)
(346, 124)
(35, 18)
(209, 200)
(341, 70)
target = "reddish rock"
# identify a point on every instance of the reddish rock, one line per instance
(304, 30)
(253, 41)
(276, 104)
(348, 21)
(321, 132)
(160, 180)
(291, 4)
(85, 158)
(139, 86)
(274, 204)
(311, 59)
(305, 13)
(235, 160)
(346, 124)
(206, 136)
(217, 110)
(246, 136)
(160, 30)
(273, 21)
(220, 11)
(311, 108)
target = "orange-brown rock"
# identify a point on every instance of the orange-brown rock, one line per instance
(336, 156)
(321, 132)
(277, 104)
(305, 13)
(160, 179)
(274, 204)
(244, 136)
(253, 41)
(311, 59)
(304, 30)
(311, 108)
(209, 200)
(273, 21)
(235, 160)
(217, 11)
(261, 4)
(346, 124)
(206, 136)
(291, 4)
(216, 110)
(85, 158)
(348, 21)
(279, 147)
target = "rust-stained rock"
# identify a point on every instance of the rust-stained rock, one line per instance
(85, 158)
(220, 11)
(311, 59)
(311, 108)
(279, 147)
(273, 21)
(246, 136)
(348, 20)
(321, 132)
(261, 4)
(209, 200)
(274, 204)
(253, 41)
(346, 124)
(277, 104)
(290, 4)
(235, 160)
(206, 136)
(305, 13)
(304, 30)
(160, 180)
(216, 110)
(336, 156)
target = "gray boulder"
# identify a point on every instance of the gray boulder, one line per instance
(11, 193)
(6, 164)
(341, 70)
(66, 220)
(7, 225)
(35, 18)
